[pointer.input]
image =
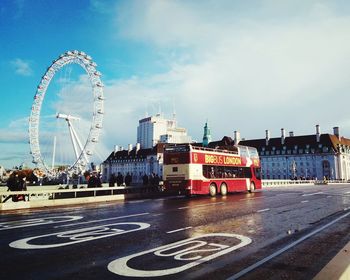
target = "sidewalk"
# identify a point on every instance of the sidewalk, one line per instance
(338, 267)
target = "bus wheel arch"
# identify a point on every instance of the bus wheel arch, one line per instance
(251, 187)
(212, 189)
(223, 189)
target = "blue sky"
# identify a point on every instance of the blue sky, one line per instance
(243, 65)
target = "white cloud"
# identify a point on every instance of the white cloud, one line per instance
(22, 67)
(250, 69)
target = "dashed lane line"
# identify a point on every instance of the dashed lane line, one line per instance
(201, 205)
(103, 220)
(180, 229)
(310, 194)
(263, 210)
(304, 201)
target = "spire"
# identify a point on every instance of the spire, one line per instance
(207, 135)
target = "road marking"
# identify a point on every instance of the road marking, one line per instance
(180, 229)
(286, 193)
(37, 222)
(103, 220)
(200, 205)
(255, 198)
(304, 201)
(263, 210)
(78, 235)
(347, 192)
(159, 214)
(279, 252)
(186, 253)
(328, 196)
(309, 194)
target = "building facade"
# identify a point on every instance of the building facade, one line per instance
(137, 162)
(316, 156)
(156, 129)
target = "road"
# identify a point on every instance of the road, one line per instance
(277, 233)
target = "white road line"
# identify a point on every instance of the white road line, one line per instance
(263, 210)
(328, 196)
(279, 252)
(102, 220)
(159, 214)
(200, 205)
(255, 198)
(180, 229)
(347, 192)
(304, 201)
(309, 194)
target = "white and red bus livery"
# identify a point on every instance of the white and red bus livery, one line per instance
(191, 169)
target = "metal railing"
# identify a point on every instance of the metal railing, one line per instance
(62, 193)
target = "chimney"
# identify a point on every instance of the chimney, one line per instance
(267, 138)
(138, 146)
(291, 134)
(283, 135)
(121, 148)
(116, 149)
(336, 131)
(318, 135)
(129, 148)
(237, 137)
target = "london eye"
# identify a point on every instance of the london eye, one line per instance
(79, 146)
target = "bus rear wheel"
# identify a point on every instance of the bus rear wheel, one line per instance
(223, 189)
(212, 190)
(252, 187)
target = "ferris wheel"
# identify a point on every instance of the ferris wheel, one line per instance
(83, 148)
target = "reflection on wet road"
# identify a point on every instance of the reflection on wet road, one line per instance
(178, 237)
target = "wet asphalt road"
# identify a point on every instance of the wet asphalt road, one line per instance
(180, 238)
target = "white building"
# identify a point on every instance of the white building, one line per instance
(135, 161)
(314, 156)
(156, 129)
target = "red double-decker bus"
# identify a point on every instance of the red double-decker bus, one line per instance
(191, 169)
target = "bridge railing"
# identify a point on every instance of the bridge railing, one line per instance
(277, 182)
(34, 193)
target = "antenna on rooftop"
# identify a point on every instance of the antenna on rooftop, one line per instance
(146, 109)
(174, 111)
(159, 109)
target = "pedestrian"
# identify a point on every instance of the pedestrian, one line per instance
(145, 180)
(128, 179)
(112, 180)
(120, 179)
(12, 185)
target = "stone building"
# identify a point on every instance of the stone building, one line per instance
(135, 161)
(315, 156)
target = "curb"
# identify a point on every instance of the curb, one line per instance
(338, 267)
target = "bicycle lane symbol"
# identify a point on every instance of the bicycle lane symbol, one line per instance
(65, 238)
(179, 256)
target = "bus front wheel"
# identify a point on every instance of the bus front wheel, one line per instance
(212, 190)
(223, 189)
(252, 187)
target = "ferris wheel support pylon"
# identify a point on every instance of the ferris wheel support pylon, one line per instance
(86, 149)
